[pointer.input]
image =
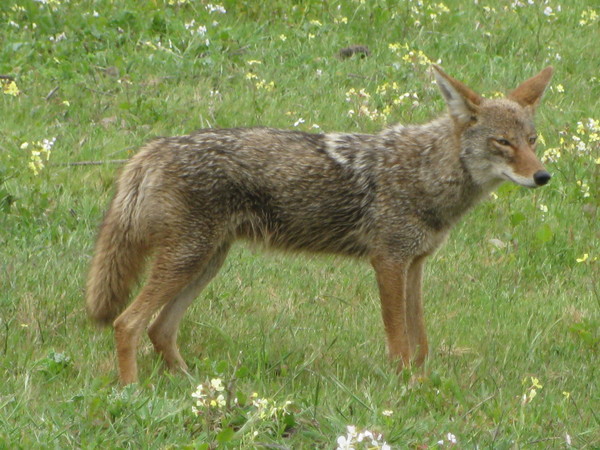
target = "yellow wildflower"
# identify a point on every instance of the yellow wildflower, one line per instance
(262, 84)
(541, 139)
(10, 88)
(588, 17)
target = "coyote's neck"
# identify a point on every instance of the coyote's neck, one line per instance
(431, 157)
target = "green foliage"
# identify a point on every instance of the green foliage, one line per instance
(54, 364)
(512, 301)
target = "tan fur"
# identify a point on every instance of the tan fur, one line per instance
(390, 197)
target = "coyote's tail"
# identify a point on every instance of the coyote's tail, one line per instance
(120, 250)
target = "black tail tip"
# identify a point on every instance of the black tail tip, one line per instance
(541, 177)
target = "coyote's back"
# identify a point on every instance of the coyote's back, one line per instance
(390, 197)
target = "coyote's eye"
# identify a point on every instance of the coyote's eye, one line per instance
(503, 142)
(532, 140)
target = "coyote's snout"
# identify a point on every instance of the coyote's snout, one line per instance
(390, 197)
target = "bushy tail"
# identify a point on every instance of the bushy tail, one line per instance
(119, 254)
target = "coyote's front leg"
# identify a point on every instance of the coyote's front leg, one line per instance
(392, 281)
(414, 311)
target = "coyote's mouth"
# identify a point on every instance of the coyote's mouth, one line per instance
(521, 181)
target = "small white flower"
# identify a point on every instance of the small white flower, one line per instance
(299, 121)
(215, 8)
(217, 384)
(200, 30)
(198, 393)
(343, 443)
(48, 143)
(366, 438)
(59, 37)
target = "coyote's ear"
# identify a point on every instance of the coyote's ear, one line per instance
(463, 103)
(530, 92)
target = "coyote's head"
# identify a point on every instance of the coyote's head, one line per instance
(498, 136)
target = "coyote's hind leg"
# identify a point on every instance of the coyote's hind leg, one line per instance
(163, 331)
(174, 268)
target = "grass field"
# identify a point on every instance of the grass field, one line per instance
(512, 301)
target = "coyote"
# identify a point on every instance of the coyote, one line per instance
(390, 197)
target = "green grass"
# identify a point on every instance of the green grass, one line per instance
(298, 328)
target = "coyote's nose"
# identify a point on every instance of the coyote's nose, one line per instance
(541, 177)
